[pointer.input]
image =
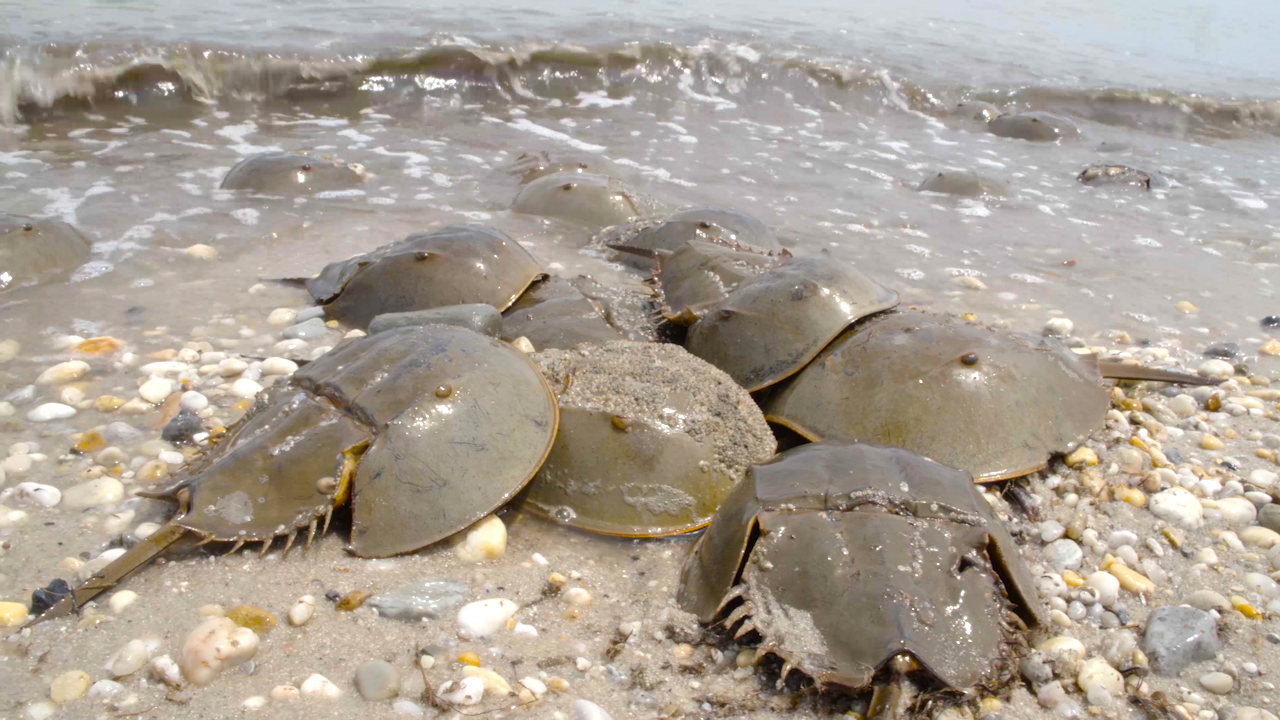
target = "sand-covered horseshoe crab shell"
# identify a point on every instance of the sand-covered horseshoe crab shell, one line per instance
(651, 439)
(992, 403)
(455, 265)
(842, 557)
(38, 250)
(774, 323)
(293, 173)
(584, 198)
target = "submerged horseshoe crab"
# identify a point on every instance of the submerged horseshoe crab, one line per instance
(728, 227)
(1096, 175)
(1034, 126)
(865, 568)
(992, 403)
(964, 184)
(38, 250)
(454, 265)
(292, 173)
(425, 429)
(583, 198)
(651, 439)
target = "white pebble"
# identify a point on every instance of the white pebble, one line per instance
(319, 686)
(534, 685)
(1237, 510)
(524, 630)
(486, 540)
(194, 400)
(214, 645)
(1107, 585)
(1096, 671)
(523, 345)
(200, 251)
(245, 388)
(230, 367)
(128, 659)
(42, 495)
(587, 710)
(1263, 478)
(254, 702)
(122, 600)
(16, 465)
(484, 617)
(70, 395)
(408, 707)
(63, 373)
(467, 691)
(51, 411)
(278, 366)
(282, 316)
(155, 389)
(1265, 538)
(1177, 506)
(1216, 368)
(1058, 327)
(539, 559)
(1217, 682)
(167, 671)
(577, 596)
(302, 611)
(41, 710)
(104, 690)
(285, 693)
(172, 458)
(105, 490)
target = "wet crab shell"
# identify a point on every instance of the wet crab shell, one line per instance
(718, 225)
(773, 324)
(581, 197)
(38, 250)
(699, 275)
(964, 184)
(292, 173)
(842, 557)
(454, 265)
(992, 403)
(1034, 126)
(555, 314)
(427, 429)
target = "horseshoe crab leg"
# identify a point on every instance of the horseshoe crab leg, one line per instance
(136, 557)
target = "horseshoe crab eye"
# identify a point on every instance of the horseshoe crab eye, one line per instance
(306, 167)
(568, 186)
(970, 359)
(704, 225)
(28, 227)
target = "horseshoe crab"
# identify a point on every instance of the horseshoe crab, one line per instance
(553, 313)
(38, 250)
(583, 198)
(651, 439)
(862, 567)
(292, 173)
(992, 403)
(698, 275)
(425, 429)
(964, 184)
(531, 166)
(1034, 126)
(976, 110)
(717, 225)
(774, 323)
(455, 265)
(1121, 175)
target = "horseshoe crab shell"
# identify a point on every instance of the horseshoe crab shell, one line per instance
(774, 323)
(1034, 126)
(425, 429)
(698, 275)
(292, 173)
(722, 226)
(554, 314)
(651, 439)
(812, 551)
(531, 166)
(455, 265)
(1096, 175)
(34, 250)
(964, 184)
(583, 198)
(992, 403)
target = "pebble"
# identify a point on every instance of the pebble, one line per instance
(1107, 586)
(102, 491)
(42, 495)
(302, 611)
(69, 686)
(1050, 695)
(1082, 456)
(539, 688)
(1216, 368)
(194, 400)
(1261, 584)
(1237, 510)
(1063, 553)
(285, 693)
(214, 645)
(1096, 672)
(577, 596)
(51, 411)
(104, 690)
(467, 691)
(1264, 478)
(484, 617)
(1178, 506)
(9, 350)
(1217, 682)
(1058, 327)
(1062, 644)
(587, 710)
(230, 367)
(1132, 580)
(155, 389)
(254, 702)
(16, 465)
(278, 366)
(245, 388)
(167, 671)
(319, 686)
(1208, 600)
(152, 471)
(282, 316)
(128, 659)
(408, 707)
(41, 710)
(1177, 636)
(523, 345)
(377, 680)
(253, 617)
(309, 330)
(121, 600)
(424, 599)
(494, 683)
(200, 251)
(1211, 442)
(63, 373)
(486, 540)
(1267, 532)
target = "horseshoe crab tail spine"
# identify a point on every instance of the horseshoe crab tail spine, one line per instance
(891, 699)
(1114, 370)
(119, 569)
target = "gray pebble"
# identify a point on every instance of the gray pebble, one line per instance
(315, 311)
(309, 330)
(1035, 669)
(121, 432)
(424, 599)
(1269, 517)
(484, 319)
(587, 710)
(1063, 553)
(22, 395)
(377, 680)
(1177, 636)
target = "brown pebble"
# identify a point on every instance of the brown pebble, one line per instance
(352, 600)
(89, 442)
(250, 616)
(98, 346)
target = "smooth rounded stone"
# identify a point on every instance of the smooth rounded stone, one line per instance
(1051, 585)
(468, 691)
(214, 645)
(230, 367)
(303, 610)
(104, 690)
(486, 540)
(69, 686)
(1120, 538)
(9, 350)
(63, 373)
(282, 316)
(423, 599)
(1268, 518)
(1216, 368)
(183, 427)
(1217, 682)
(36, 494)
(1051, 530)
(22, 395)
(1249, 712)
(1177, 506)
(245, 388)
(319, 686)
(587, 710)
(479, 317)
(278, 366)
(1095, 672)
(1237, 510)
(1183, 405)
(1208, 600)
(102, 491)
(1177, 636)
(494, 684)
(1063, 553)
(253, 617)
(1264, 478)
(285, 693)
(1062, 645)
(121, 600)
(1107, 586)
(51, 411)
(484, 617)
(12, 614)
(1050, 695)
(1222, 350)
(408, 707)
(312, 329)
(16, 464)
(1058, 327)
(41, 710)
(129, 659)
(377, 680)
(1033, 126)
(10, 518)
(1034, 668)
(1261, 584)
(200, 251)
(155, 389)
(1098, 696)
(194, 400)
